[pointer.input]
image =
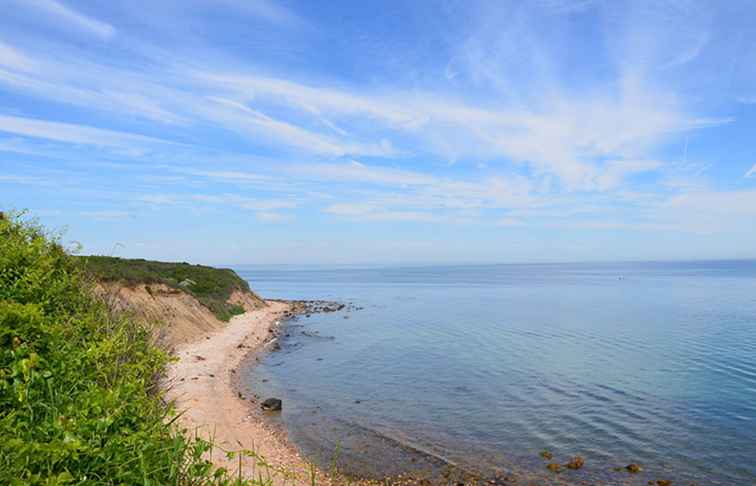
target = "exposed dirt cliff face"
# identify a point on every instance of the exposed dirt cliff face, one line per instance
(178, 317)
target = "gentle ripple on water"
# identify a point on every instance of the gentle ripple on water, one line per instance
(484, 366)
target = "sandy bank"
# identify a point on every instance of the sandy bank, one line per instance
(202, 384)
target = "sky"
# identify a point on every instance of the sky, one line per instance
(283, 131)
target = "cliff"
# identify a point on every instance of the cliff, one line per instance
(182, 301)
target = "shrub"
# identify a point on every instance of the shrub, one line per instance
(79, 400)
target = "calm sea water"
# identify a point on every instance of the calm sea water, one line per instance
(485, 366)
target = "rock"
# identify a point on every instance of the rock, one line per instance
(546, 454)
(271, 404)
(634, 468)
(663, 482)
(199, 358)
(575, 463)
(554, 467)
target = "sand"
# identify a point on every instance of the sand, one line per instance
(202, 385)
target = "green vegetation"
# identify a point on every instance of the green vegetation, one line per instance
(79, 401)
(210, 286)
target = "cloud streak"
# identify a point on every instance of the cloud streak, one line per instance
(70, 17)
(73, 134)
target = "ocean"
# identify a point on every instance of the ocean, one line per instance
(485, 366)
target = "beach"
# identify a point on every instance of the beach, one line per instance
(202, 385)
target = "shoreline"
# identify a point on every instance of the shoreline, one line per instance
(204, 387)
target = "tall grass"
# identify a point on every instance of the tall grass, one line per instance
(79, 401)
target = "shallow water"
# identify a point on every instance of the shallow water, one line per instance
(485, 366)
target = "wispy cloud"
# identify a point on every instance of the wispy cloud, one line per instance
(253, 122)
(15, 59)
(272, 217)
(244, 202)
(73, 134)
(266, 9)
(106, 215)
(70, 17)
(751, 172)
(566, 136)
(373, 213)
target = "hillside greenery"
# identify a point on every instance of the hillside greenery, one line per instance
(79, 395)
(210, 286)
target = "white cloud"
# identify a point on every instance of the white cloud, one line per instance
(369, 212)
(508, 222)
(266, 9)
(159, 199)
(244, 202)
(614, 172)
(229, 175)
(14, 59)
(559, 135)
(106, 215)
(357, 172)
(92, 86)
(71, 17)
(253, 122)
(562, 134)
(751, 172)
(13, 179)
(74, 134)
(272, 217)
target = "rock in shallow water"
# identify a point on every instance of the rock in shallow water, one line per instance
(271, 404)
(575, 463)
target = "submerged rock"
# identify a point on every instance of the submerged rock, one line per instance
(554, 467)
(271, 404)
(575, 463)
(634, 468)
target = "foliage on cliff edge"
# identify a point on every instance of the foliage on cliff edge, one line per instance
(79, 401)
(212, 287)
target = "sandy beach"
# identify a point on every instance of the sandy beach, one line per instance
(202, 384)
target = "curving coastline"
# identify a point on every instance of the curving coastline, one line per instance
(202, 384)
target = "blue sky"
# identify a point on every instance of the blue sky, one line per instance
(231, 131)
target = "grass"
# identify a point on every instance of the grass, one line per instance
(210, 286)
(79, 395)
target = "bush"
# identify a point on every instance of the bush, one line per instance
(79, 400)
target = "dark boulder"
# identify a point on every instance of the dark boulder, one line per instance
(271, 404)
